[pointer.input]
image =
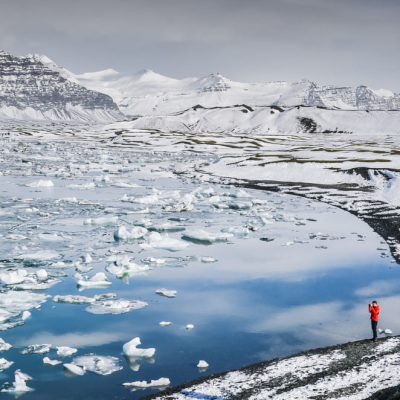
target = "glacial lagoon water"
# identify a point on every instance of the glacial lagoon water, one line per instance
(264, 275)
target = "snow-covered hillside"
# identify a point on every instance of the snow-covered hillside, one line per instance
(148, 93)
(35, 88)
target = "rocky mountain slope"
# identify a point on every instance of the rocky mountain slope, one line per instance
(30, 88)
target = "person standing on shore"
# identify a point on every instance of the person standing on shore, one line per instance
(374, 310)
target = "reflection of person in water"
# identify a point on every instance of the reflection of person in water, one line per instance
(374, 310)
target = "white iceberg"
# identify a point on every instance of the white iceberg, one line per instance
(166, 292)
(101, 221)
(156, 241)
(207, 259)
(4, 364)
(122, 233)
(202, 364)
(124, 268)
(12, 277)
(99, 280)
(203, 236)
(189, 327)
(37, 349)
(100, 365)
(19, 385)
(4, 346)
(165, 323)
(47, 360)
(37, 256)
(74, 299)
(157, 383)
(130, 349)
(74, 369)
(120, 306)
(40, 184)
(66, 351)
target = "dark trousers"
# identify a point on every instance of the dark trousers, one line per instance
(374, 325)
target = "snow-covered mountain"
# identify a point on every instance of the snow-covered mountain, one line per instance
(148, 93)
(35, 88)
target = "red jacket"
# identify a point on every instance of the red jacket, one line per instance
(374, 310)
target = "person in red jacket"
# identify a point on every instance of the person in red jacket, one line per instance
(374, 310)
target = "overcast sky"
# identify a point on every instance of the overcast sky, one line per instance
(345, 42)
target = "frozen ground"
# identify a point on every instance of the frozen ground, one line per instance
(103, 238)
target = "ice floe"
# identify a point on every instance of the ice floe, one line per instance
(156, 383)
(38, 256)
(202, 236)
(41, 184)
(122, 233)
(98, 280)
(208, 260)
(130, 349)
(123, 267)
(157, 241)
(100, 365)
(47, 360)
(112, 220)
(189, 327)
(74, 369)
(19, 385)
(4, 364)
(166, 292)
(66, 351)
(202, 364)
(120, 306)
(4, 346)
(37, 349)
(165, 323)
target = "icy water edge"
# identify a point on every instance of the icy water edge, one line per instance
(263, 274)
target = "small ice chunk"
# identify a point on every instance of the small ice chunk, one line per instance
(157, 383)
(101, 221)
(25, 315)
(388, 331)
(122, 233)
(74, 369)
(100, 365)
(13, 277)
(40, 184)
(73, 299)
(208, 259)
(4, 346)
(19, 385)
(47, 360)
(203, 236)
(156, 241)
(154, 261)
(37, 349)
(98, 280)
(83, 186)
(42, 274)
(65, 351)
(41, 255)
(87, 258)
(4, 364)
(130, 349)
(127, 269)
(202, 364)
(189, 327)
(166, 292)
(165, 323)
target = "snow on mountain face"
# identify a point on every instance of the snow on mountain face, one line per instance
(150, 94)
(34, 87)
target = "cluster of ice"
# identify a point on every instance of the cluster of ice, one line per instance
(22, 280)
(120, 306)
(130, 349)
(19, 385)
(157, 241)
(166, 292)
(156, 383)
(40, 184)
(122, 233)
(100, 365)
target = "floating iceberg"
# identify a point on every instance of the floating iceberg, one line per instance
(98, 280)
(165, 323)
(12, 277)
(74, 299)
(120, 306)
(47, 360)
(74, 369)
(4, 346)
(130, 349)
(207, 259)
(166, 292)
(36, 349)
(122, 233)
(66, 351)
(202, 236)
(124, 268)
(101, 221)
(203, 365)
(100, 365)
(40, 184)
(38, 256)
(156, 241)
(189, 327)
(4, 364)
(157, 383)
(19, 385)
